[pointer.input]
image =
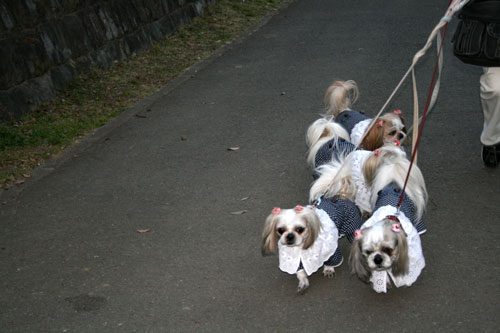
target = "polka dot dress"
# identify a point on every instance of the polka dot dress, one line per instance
(389, 196)
(349, 118)
(346, 217)
(332, 149)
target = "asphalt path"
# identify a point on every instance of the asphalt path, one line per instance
(72, 256)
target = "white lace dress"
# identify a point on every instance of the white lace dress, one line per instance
(415, 254)
(313, 257)
(363, 193)
(358, 130)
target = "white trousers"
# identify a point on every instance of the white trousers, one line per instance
(490, 101)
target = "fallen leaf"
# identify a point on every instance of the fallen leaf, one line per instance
(143, 230)
(184, 138)
(25, 175)
(140, 116)
(233, 148)
(240, 212)
(19, 182)
(245, 198)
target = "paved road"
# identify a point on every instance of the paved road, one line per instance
(72, 260)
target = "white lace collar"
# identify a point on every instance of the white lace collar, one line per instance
(313, 257)
(363, 193)
(415, 254)
(358, 130)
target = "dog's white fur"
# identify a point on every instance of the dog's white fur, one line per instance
(341, 95)
(320, 132)
(335, 178)
(292, 227)
(391, 165)
(379, 248)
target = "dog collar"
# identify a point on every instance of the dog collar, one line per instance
(393, 217)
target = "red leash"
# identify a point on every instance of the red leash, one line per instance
(421, 127)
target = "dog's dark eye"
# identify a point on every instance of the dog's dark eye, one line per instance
(392, 133)
(299, 230)
(281, 231)
(387, 250)
(367, 252)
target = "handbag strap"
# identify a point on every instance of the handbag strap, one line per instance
(482, 10)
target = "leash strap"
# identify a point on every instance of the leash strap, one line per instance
(455, 6)
(431, 99)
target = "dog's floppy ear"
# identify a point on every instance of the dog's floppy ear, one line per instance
(370, 166)
(400, 265)
(269, 238)
(357, 262)
(313, 224)
(374, 138)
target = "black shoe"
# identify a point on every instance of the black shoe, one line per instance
(491, 155)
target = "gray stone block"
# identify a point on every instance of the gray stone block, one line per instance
(45, 44)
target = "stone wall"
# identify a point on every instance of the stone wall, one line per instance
(45, 44)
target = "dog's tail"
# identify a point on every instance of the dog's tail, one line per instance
(394, 168)
(339, 96)
(334, 179)
(320, 132)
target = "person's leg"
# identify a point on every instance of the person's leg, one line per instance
(490, 101)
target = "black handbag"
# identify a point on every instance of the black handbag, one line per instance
(477, 38)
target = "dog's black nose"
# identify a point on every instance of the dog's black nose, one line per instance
(378, 259)
(290, 238)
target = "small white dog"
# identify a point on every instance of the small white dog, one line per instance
(387, 246)
(346, 174)
(326, 140)
(339, 98)
(307, 237)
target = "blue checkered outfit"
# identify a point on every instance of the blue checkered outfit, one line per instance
(332, 149)
(347, 218)
(389, 196)
(349, 118)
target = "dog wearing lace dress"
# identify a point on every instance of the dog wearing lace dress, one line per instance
(342, 129)
(339, 98)
(307, 237)
(345, 174)
(387, 246)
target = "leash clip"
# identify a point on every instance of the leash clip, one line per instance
(316, 202)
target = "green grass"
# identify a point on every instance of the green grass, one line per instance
(91, 101)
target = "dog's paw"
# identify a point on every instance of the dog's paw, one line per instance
(303, 281)
(303, 285)
(329, 271)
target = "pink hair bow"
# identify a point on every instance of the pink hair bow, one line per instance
(298, 208)
(358, 234)
(398, 112)
(276, 210)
